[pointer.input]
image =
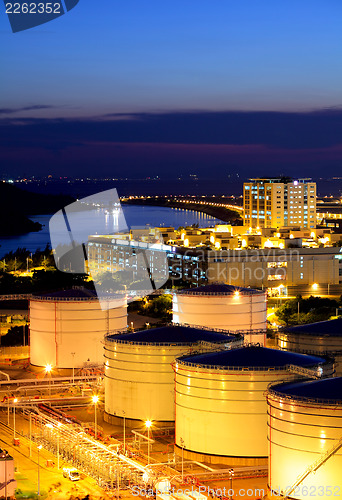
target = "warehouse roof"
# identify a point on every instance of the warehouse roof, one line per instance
(332, 327)
(253, 357)
(328, 389)
(218, 289)
(173, 335)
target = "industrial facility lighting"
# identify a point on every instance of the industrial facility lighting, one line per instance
(95, 399)
(314, 286)
(148, 424)
(48, 368)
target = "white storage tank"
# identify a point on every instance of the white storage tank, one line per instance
(305, 435)
(221, 408)
(139, 380)
(67, 328)
(321, 339)
(224, 306)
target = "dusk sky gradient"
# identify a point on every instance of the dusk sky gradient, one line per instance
(140, 84)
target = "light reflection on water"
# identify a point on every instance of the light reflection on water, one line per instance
(135, 215)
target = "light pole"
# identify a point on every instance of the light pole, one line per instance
(38, 449)
(182, 445)
(124, 417)
(48, 370)
(30, 434)
(14, 401)
(73, 367)
(58, 426)
(148, 424)
(231, 475)
(95, 400)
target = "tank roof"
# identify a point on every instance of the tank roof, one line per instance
(331, 328)
(219, 289)
(71, 293)
(173, 334)
(327, 389)
(253, 357)
(76, 294)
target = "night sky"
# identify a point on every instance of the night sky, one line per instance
(142, 88)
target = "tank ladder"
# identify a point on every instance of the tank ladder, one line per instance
(315, 466)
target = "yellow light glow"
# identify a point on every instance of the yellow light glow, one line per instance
(15, 400)
(48, 368)
(39, 447)
(237, 293)
(291, 236)
(315, 286)
(186, 242)
(95, 399)
(148, 423)
(212, 239)
(217, 245)
(278, 235)
(313, 234)
(244, 243)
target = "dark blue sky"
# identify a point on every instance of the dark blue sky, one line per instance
(82, 90)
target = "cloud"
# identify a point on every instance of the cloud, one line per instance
(303, 143)
(9, 111)
(274, 129)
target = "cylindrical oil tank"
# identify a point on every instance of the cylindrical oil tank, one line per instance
(221, 408)
(321, 339)
(139, 380)
(223, 306)
(305, 435)
(67, 328)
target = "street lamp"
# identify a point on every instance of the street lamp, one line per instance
(231, 475)
(182, 445)
(14, 401)
(124, 429)
(73, 367)
(48, 369)
(58, 426)
(95, 400)
(38, 449)
(148, 424)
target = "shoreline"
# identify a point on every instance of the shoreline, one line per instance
(224, 214)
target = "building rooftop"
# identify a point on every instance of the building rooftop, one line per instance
(219, 289)
(253, 357)
(331, 328)
(328, 389)
(173, 334)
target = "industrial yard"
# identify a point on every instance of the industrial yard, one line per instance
(179, 411)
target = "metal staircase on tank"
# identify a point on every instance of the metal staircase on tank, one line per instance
(307, 372)
(315, 466)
